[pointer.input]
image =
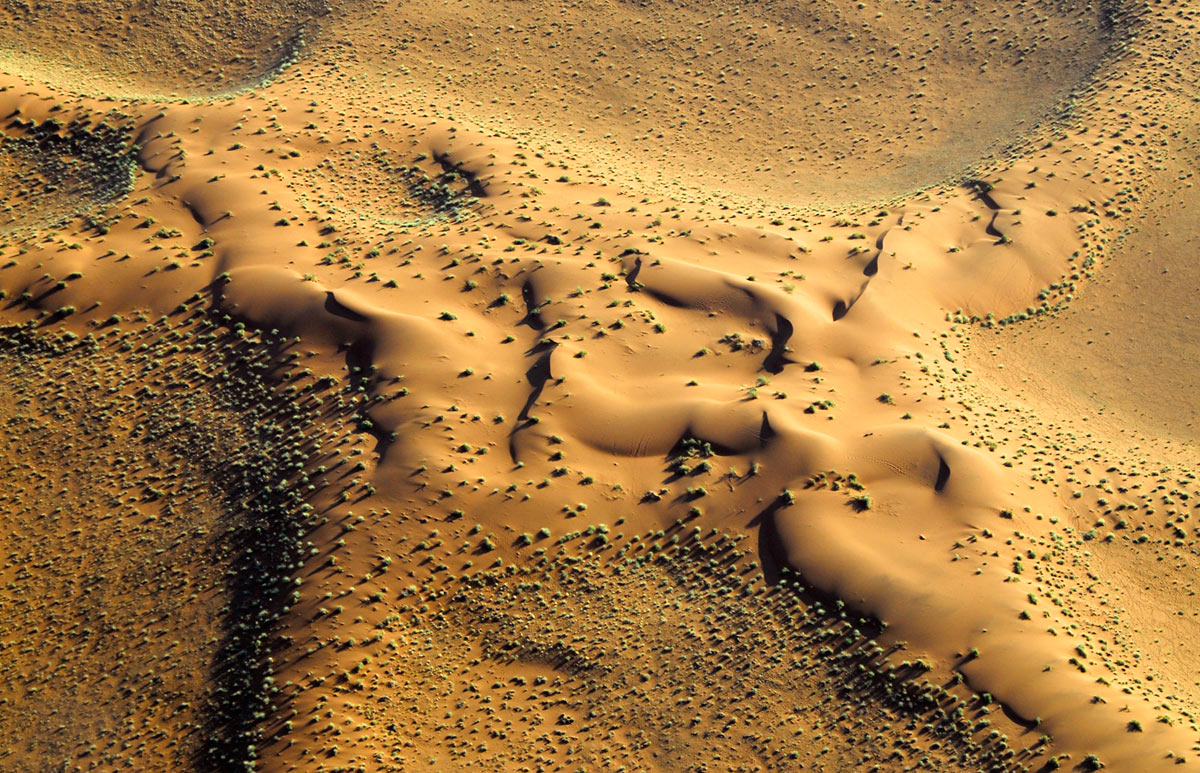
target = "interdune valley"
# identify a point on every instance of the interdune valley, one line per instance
(600, 385)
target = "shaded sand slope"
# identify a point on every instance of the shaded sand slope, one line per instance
(154, 48)
(575, 444)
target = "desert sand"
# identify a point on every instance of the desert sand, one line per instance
(604, 385)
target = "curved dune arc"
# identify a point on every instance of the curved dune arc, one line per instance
(273, 297)
(794, 323)
(928, 459)
(608, 421)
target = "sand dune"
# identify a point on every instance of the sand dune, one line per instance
(607, 385)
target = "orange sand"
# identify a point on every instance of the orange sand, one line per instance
(901, 293)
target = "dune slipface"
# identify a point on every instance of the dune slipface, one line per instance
(599, 386)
